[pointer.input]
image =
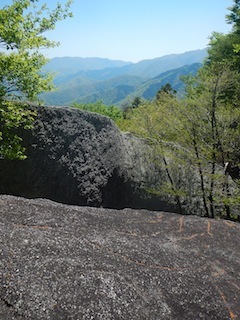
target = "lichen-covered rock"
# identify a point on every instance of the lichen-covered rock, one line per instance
(60, 262)
(77, 157)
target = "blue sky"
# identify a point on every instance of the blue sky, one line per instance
(134, 30)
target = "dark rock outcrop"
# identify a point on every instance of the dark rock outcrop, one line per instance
(68, 262)
(77, 157)
(232, 170)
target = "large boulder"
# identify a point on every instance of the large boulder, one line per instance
(62, 262)
(77, 157)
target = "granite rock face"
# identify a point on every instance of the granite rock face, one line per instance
(68, 262)
(77, 157)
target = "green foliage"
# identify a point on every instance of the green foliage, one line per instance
(193, 138)
(211, 135)
(21, 36)
(13, 116)
(136, 102)
(112, 112)
(164, 91)
(155, 122)
(22, 28)
(234, 16)
(221, 48)
(225, 47)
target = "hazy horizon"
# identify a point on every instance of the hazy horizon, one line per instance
(165, 55)
(136, 30)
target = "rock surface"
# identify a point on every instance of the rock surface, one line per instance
(77, 157)
(68, 262)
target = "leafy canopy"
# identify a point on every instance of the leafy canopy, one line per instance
(194, 137)
(226, 47)
(22, 28)
(112, 112)
(22, 37)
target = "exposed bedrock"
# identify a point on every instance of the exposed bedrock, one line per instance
(77, 157)
(60, 262)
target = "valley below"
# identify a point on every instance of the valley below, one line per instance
(88, 80)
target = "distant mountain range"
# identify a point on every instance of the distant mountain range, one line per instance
(86, 80)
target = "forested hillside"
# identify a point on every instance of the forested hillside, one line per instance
(148, 89)
(115, 82)
(71, 65)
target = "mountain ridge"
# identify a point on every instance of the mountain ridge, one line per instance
(78, 63)
(93, 82)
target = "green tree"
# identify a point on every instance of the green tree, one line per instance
(234, 16)
(22, 37)
(112, 112)
(225, 47)
(156, 124)
(165, 91)
(211, 134)
(136, 102)
(193, 138)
